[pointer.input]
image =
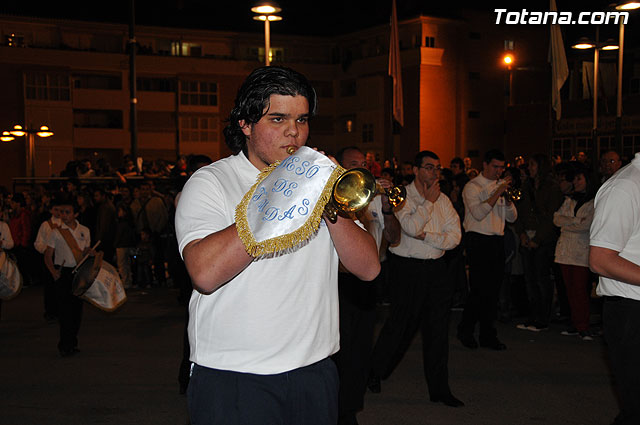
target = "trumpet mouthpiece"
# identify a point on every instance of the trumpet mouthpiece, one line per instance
(291, 150)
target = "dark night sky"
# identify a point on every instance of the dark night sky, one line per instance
(304, 17)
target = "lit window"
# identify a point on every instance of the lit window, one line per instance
(199, 129)
(198, 93)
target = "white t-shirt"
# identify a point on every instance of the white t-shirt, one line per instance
(616, 224)
(279, 313)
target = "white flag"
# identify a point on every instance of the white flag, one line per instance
(395, 68)
(559, 68)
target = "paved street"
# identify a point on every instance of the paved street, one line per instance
(127, 370)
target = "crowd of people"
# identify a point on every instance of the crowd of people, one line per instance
(293, 331)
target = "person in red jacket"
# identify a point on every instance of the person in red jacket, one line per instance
(20, 226)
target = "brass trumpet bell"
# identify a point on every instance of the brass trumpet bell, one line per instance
(355, 189)
(513, 194)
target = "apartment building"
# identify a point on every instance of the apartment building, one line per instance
(74, 77)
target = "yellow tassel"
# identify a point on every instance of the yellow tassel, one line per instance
(290, 241)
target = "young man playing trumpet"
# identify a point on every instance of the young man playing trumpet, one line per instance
(262, 329)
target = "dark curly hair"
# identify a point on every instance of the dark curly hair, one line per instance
(252, 100)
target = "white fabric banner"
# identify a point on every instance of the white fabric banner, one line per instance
(284, 200)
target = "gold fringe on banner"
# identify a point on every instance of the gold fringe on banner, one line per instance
(289, 241)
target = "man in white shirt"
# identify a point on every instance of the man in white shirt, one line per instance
(615, 255)
(358, 300)
(67, 244)
(421, 294)
(486, 211)
(263, 327)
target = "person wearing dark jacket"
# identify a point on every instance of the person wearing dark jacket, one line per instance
(541, 198)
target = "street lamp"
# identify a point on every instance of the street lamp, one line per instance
(585, 44)
(624, 6)
(266, 11)
(19, 131)
(508, 60)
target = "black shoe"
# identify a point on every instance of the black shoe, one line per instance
(374, 384)
(67, 352)
(467, 340)
(494, 344)
(448, 400)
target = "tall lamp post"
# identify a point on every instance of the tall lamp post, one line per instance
(266, 11)
(19, 131)
(585, 44)
(623, 6)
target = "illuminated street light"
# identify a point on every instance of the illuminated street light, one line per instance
(6, 136)
(266, 12)
(632, 5)
(508, 60)
(19, 131)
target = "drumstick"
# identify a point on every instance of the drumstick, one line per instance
(84, 258)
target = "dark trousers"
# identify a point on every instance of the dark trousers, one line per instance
(537, 274)
(69, 311)
(622, 332)
(357, 321)
(303, 396)
(421, 299)
(49, 289)
(485, 255)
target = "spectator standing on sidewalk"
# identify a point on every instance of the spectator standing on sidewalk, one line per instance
(572, 250)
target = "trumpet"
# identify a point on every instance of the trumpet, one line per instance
(355, 189)
(512, 193)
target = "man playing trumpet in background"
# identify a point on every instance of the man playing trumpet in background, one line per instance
(358, 299)
(261, 330)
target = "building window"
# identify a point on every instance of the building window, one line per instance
(182, 48)
(14, 40)
(100, 82)
(606, 143)
(429, 42)
(348, 88)
(584, 144)
(367, 133)
(199, 129)
(45, 86)
(630, 145)
(562, 147)
(198, 93)
(94, 118)
(166, 85)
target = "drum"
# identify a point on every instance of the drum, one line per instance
(10, 277)
(99, 283)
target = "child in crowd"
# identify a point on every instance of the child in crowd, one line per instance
(67, 245)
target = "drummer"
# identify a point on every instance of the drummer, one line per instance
(67, 244)
(264, 327)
